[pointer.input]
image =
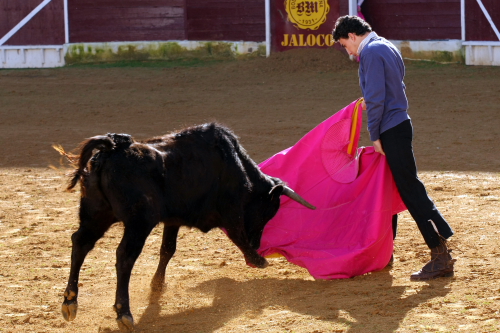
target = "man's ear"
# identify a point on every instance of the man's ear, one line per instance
(352, 36)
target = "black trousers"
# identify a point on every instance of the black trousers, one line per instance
(398, 148)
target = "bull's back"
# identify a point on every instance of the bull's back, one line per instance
(131, 180)
(203, 175)
(194, 170)
(192, 176)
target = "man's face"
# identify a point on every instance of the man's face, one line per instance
(350, 44)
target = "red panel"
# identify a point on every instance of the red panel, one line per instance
(124, 14)
(12, 12)
(414, 19)
(225, 15)
(45, 28)
(226, 20)
(427, 2)
(286, 36)
(343, 8)
(477, 27)
(242, 25)
(130, 36)
(224, 35)
(126, 3)
(126, 20)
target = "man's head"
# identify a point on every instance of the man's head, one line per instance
(349, 31)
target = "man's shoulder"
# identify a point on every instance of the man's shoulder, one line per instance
(378, 44)
(380, 47)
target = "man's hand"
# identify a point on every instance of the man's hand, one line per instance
(378, 147)
(376, 144)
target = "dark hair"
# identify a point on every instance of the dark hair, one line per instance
(350, 24)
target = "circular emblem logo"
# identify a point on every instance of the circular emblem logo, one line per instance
(307, 14)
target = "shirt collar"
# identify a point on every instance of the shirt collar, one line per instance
(365, 41)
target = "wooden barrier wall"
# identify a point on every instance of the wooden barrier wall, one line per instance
(151, 20)
(126, 20)
(45, 28)
(477, 27)
(230, 20)
(415, 19)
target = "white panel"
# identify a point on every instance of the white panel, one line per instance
(482, 53)
(31, 57)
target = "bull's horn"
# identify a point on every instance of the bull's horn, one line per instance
(294, 196)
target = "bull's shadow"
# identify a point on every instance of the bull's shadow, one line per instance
(371, 302)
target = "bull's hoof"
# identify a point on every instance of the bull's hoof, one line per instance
(264, 264)
(156, 287)
(157, 284)
(256, 261)
(260, 262)
(125, 323)
(68, 310)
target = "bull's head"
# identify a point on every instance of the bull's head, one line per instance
(264, 207)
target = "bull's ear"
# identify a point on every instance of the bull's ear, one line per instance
(276, 191)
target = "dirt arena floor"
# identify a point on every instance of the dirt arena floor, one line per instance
(270, 103)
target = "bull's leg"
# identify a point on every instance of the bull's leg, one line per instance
(167, 251)
(240, 239)
(127, 253)
(83, 241)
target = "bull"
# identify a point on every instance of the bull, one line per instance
(199, 177)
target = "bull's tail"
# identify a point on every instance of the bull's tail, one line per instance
(101, 143)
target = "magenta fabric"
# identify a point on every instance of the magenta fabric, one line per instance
(350, 232)
(360, 14)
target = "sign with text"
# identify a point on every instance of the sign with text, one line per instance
(300, 23)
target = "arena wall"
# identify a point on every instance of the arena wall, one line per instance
(103, 30)
(414, 19)
(45, 28)
(126, 20)
(219, 20)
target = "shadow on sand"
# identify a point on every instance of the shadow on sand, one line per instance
(372, 302)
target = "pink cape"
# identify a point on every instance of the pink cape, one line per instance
(350, 232)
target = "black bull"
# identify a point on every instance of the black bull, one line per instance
(199, 177)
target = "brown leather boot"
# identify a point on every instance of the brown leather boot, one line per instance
(440, 265)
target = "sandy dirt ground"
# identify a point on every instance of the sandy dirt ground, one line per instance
(270, 104)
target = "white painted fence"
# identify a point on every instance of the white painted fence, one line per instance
(482, 53)
(30, 56)
(33, 56)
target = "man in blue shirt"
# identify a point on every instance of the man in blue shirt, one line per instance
(381, 74)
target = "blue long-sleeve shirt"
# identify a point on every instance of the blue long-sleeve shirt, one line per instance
(381, 74)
